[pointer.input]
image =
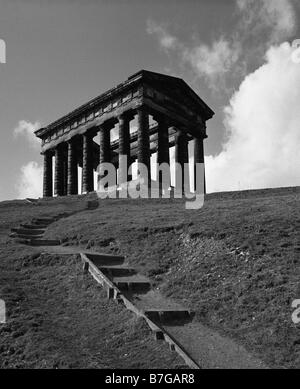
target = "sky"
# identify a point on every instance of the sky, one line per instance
(238, 55)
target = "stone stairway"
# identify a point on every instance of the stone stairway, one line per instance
(135, 286)
(199, 346)
(32, 233)
(167, 316)
(127, 286)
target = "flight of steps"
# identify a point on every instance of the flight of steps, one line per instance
(138, 294)
(126, 279)
(133, 284)
(33, 232)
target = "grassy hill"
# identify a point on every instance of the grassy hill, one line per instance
(235, 262)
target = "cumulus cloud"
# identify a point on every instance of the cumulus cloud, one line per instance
(166, 40)
(277, 18)
(26, 129)
(215, 60)
(261, 24)
(211, 61)
(263, 132)
(262, 117)
(30, 181)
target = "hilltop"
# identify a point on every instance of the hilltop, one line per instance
(235, 262)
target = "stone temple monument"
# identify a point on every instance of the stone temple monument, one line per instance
(179, 115)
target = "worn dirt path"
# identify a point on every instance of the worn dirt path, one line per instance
(211, 350)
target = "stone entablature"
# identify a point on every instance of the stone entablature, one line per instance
(71, 126)
(179, 114)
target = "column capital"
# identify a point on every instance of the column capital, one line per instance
(160, 117)
(200, 131)
(126, 115)
(71, 142)
(106, 126)
(50, 152)
(89, 134)
(143, 108)
(60, 147)
(180, 136)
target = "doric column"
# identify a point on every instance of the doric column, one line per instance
(124, 147)
(163, 155)
(48, 181)
(65, 164)
(143, 152)
(59, 173)
(105, 154)
(163, 141)
(199, 157)
(181, 157)
(72, 169)
(87, 164)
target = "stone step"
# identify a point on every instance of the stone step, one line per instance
(33, 226)
(27, 231)
(44, 242)
(45, 221)
(30, 200)
(40, 224)
(113, 271)
(38, 242)
(25, 236)
(131, 278)
(169, 315)
(133, 286)
(62, 214)
(23, 241)
(103, 260)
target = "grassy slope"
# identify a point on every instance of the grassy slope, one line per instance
(58, 317)
(236, 261)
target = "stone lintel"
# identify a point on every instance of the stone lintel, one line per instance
(129, 85)
(173, 117)
(92, 125)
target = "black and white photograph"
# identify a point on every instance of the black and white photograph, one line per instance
(150, 187)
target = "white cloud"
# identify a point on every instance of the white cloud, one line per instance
(214, 60)
(262, 123)
(30, 181)
(261, 24)
(277, 18)
(262, 118)
(166, 40)
(26, 129)
(211, 61)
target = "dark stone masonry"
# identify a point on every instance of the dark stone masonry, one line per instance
(179, 116)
